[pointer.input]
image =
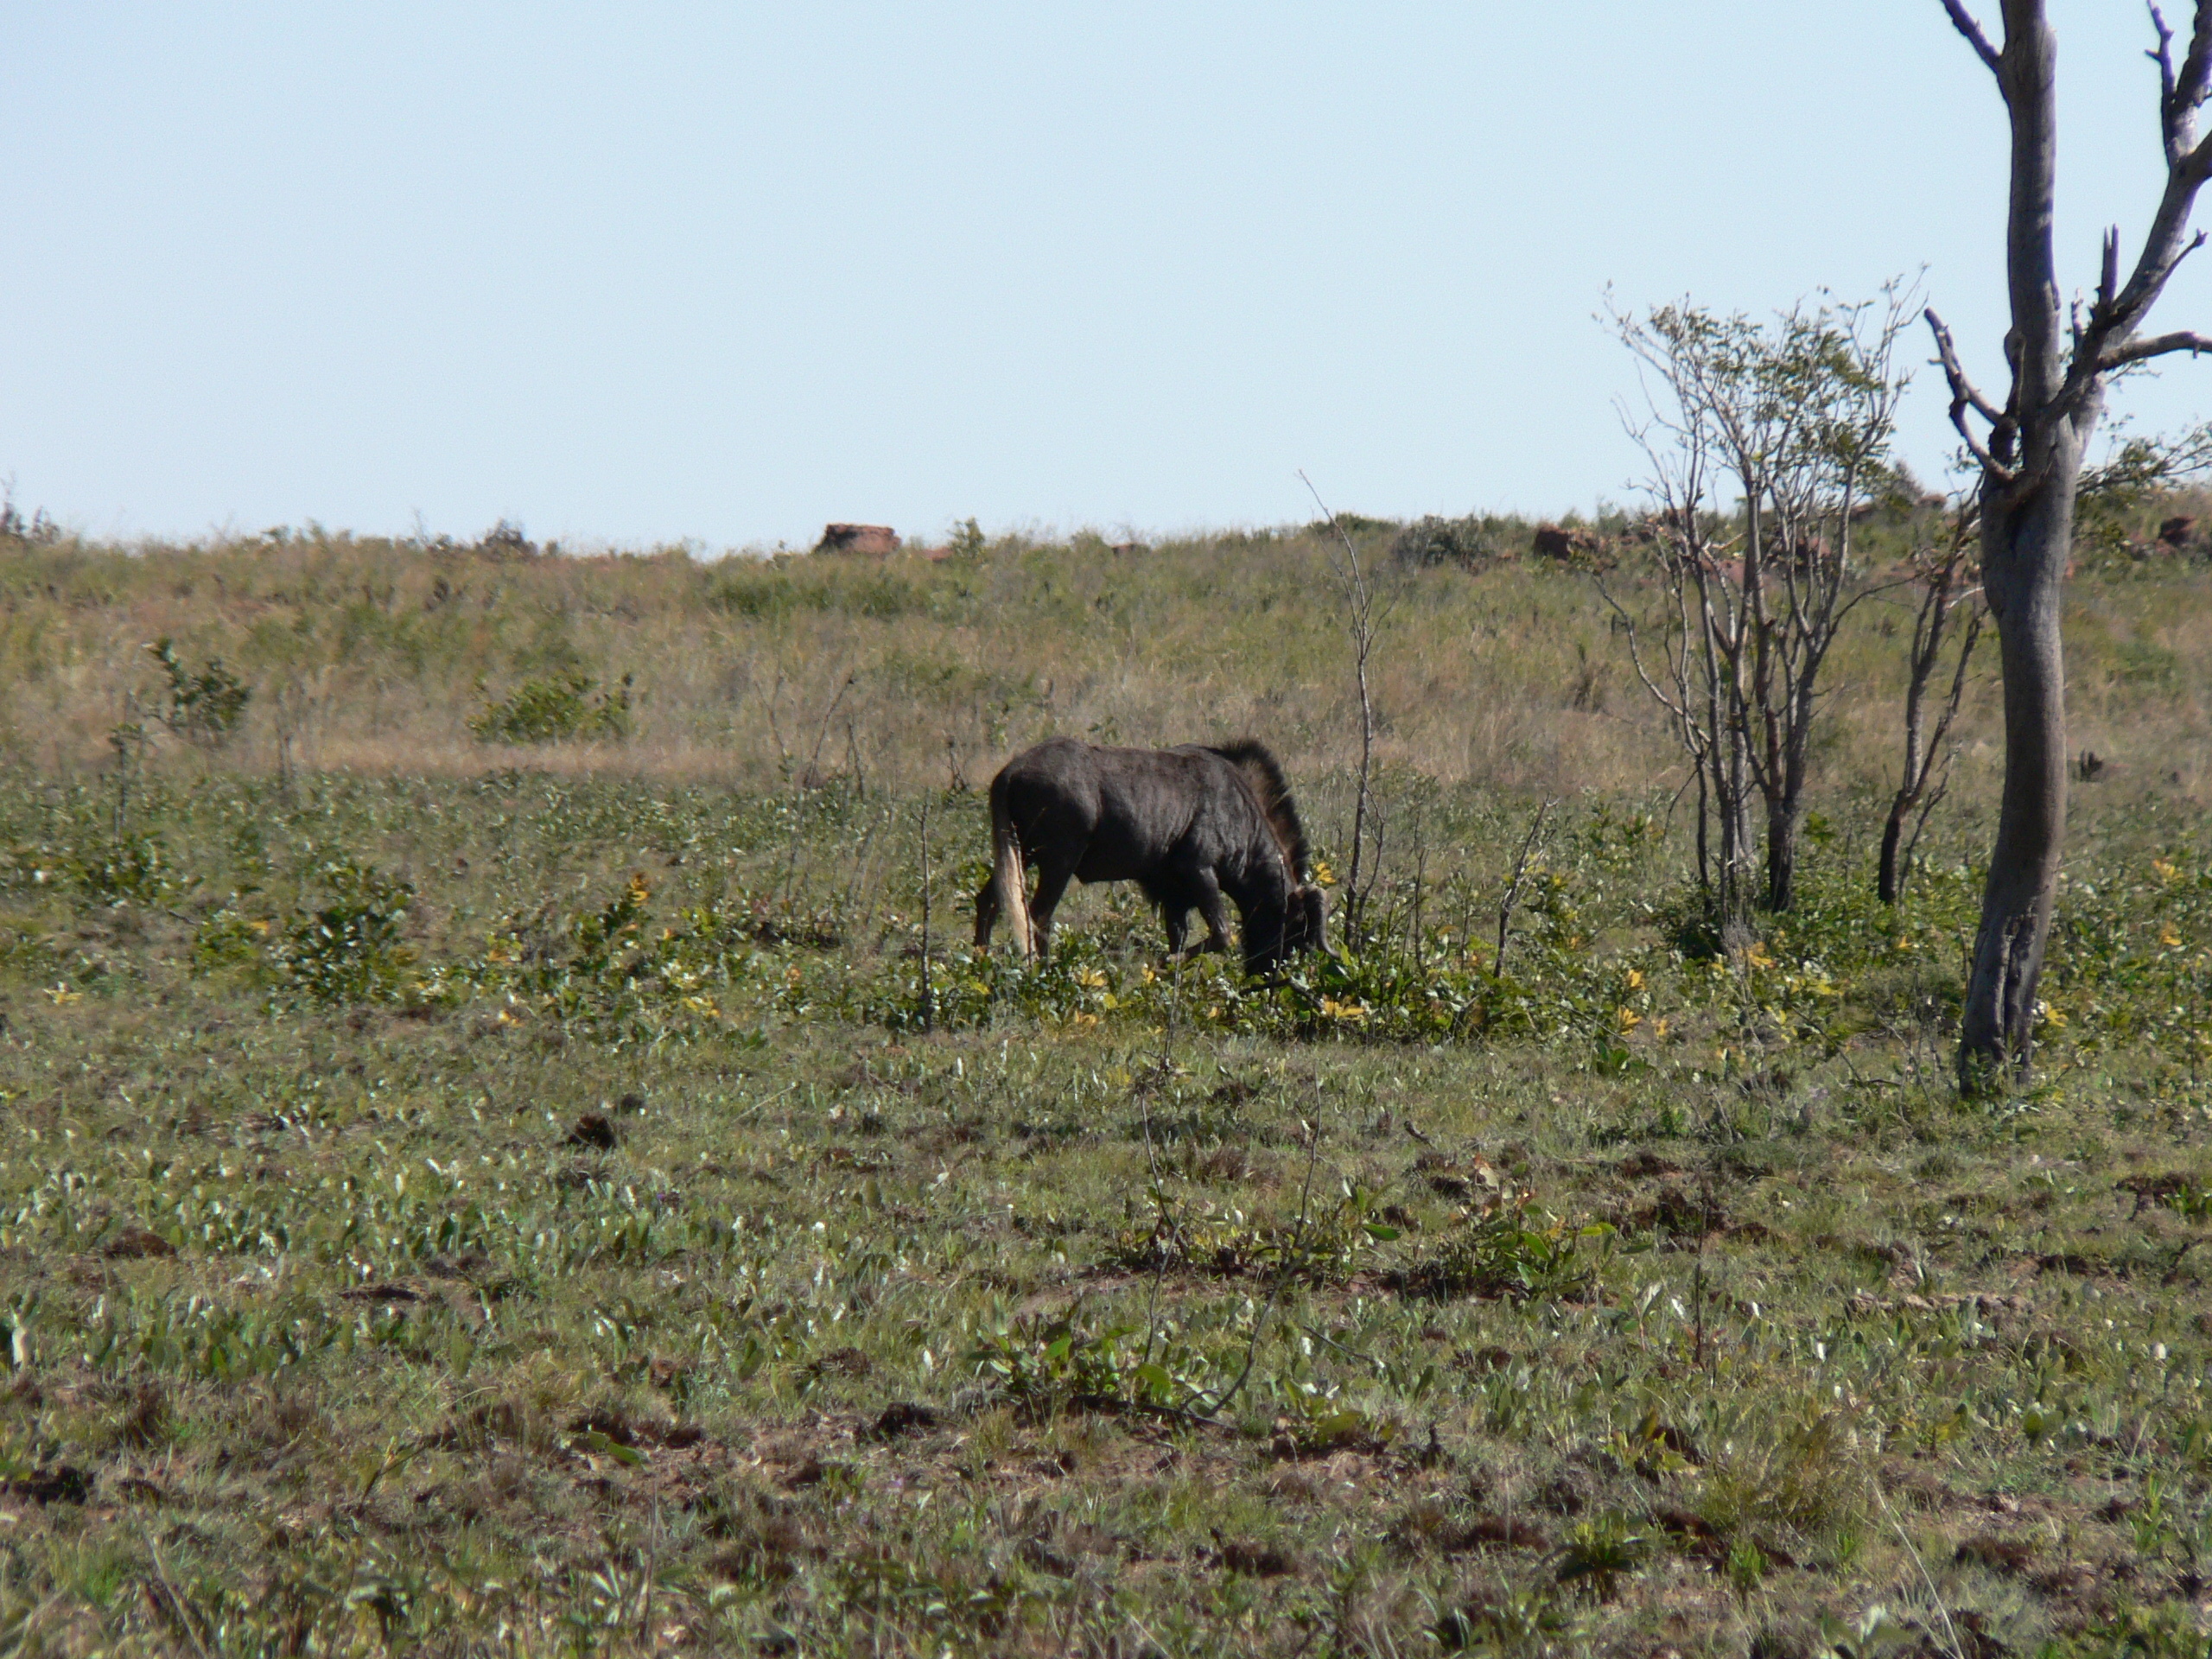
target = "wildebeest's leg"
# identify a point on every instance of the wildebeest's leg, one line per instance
(1175, 910)
(1216, 912)
(1177, 916)
(987, 911)
(1052, 877)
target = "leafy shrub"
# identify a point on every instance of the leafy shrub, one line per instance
(557, 708)
(1321, 1250)
(598, 937)
(134, 869)
(1049, 1365)
(1502, 1251)
(229, 938)
(1601, 1552)
(762, 591)
(967, 540)
(506, 541)
(347, 949)
(1432, 540)
(203, 708)
(37, 530)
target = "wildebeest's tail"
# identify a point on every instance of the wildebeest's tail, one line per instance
(1007, 882)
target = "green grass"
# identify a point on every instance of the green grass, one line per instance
(1628, 1299)
(500, 1156)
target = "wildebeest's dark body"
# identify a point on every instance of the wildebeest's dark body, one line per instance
(1190, 826)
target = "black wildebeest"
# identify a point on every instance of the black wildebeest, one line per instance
(1188, 825)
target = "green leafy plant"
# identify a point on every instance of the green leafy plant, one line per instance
(558, 707)
(126, 869)
(203, 705)
(967, 540)
(1502, 1250)
(1602, 1552)
(1047, 1365)
(346, 949)
(1471, 543)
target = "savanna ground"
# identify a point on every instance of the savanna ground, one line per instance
(498, 1158)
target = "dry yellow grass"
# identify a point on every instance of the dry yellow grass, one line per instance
(374, 656)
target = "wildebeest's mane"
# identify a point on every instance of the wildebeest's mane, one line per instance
(1264, 773)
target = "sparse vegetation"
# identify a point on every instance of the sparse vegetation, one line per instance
(201, 706)
(556, 708)
(449, 1204)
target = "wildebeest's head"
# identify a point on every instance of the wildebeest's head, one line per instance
(1275, 931)
(1291, 917)
(1304, 931)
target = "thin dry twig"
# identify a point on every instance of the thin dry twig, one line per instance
(1359, 595)
(1513, 888)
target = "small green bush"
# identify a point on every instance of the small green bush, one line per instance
(348, 949)
(556, 708)
(1433, 540)
(135, 869)
(1502, 1251)
(205, 707)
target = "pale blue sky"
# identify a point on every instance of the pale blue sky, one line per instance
(657, 271)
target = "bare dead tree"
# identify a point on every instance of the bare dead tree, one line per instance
(2029, 449)
(1361, 621)
(1696, 653)
(1513, 888)
(929, 989)
(1946, 589)
(1795, 418)
(812, 777)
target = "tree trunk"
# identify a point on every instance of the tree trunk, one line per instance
(2031, 469)
(2024, 552)
(1734, 910)
(1781, 856)
(1704, 863)
(2027, 533)
(1885, 885)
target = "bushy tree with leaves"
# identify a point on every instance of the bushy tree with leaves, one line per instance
(1762, 439)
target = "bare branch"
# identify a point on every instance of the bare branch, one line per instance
(1635, 656)
(2163, 55)
(1963, 397)
(2181, 94)
(2137, 351)
(2150, 280)
(1961, 388)
(1962, 20)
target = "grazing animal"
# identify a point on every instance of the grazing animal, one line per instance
(1189, 825)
